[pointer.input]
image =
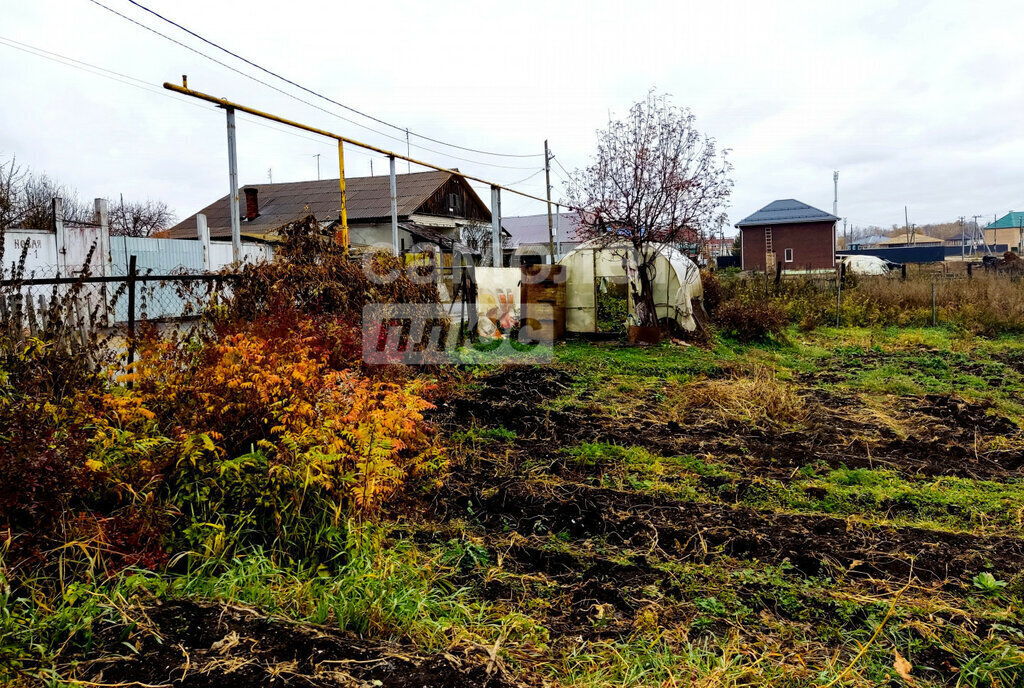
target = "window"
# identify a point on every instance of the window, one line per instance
(789, 255)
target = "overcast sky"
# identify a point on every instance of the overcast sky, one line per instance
(916, 103)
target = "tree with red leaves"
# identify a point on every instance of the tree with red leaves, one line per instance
(655, 181)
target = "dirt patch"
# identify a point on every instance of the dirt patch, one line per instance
(948, 435)
(964, 416)
(697, 532)
(206, 645)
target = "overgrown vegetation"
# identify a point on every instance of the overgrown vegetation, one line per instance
(799, 505)
(753, 309)
(257, 434)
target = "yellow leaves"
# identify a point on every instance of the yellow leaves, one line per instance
(94, 465)
(350, 439)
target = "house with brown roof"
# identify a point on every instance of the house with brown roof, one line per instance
(434, 207)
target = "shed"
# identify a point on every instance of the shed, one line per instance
(787, 231)
(590, 267)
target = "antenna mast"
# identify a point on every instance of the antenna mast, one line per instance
(835, 197)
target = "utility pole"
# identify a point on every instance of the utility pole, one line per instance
(547, 186)
(906, 223)
(978, 232)
(963, 239)
(270, 175)
(408, 151)
(371, 167)
(317, 156)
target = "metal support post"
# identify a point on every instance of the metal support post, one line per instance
(236, 221)
(394, 206)
(132, 275)
(344, 201)
(558, 230)
(496, 226)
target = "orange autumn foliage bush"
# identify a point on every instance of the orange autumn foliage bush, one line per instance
(260, 428)
(273, 442)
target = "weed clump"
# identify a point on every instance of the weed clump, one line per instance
(756, 398)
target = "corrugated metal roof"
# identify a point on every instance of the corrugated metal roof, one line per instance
(367, 198)
(869, 240)
(438, 237)
(533, 229)
(1009, 220)
(786, 211)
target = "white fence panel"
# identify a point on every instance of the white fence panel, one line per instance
(41, 259)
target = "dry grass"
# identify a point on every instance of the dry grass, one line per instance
(988, 304)
(754, 396)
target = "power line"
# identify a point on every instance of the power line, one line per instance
(527, 178)
(141, 84)
(320, 95)
(558, 162)
(295, 97)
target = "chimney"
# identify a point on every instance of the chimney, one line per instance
(252, 203)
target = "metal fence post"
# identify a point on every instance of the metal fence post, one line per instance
(132, 275)
(839, 295)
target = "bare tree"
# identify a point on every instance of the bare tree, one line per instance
(479, 238)
(11, 179)
(139, 218)
(655, 181)
(26, 199)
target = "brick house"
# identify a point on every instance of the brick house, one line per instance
(798, 236)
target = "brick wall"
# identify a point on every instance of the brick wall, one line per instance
(812, 244)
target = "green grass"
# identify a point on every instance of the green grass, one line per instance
(882, 496)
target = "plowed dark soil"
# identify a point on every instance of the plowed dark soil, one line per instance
(213, 646)
(500, 500)
(695, 531)
(945, 440)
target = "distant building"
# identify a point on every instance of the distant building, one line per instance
(797, 235)
(440, 208)
(915, 239)
(529, 233)
(717, 246)
(1008, 230)
(867, 241)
